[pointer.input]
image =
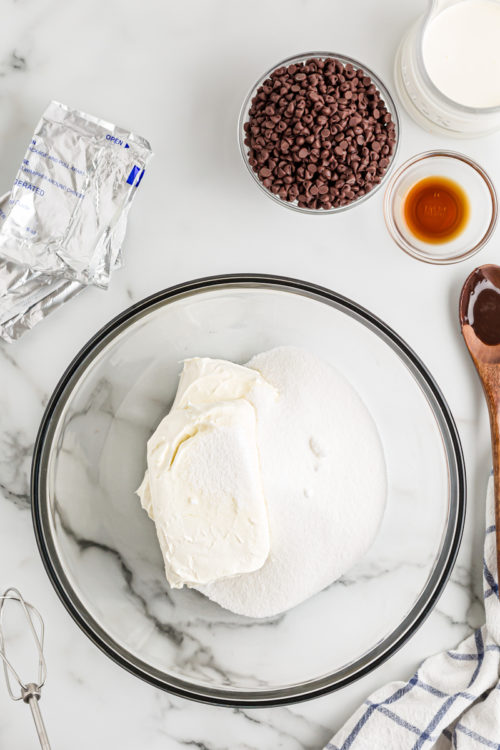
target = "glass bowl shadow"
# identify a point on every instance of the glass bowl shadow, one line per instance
(100, 549)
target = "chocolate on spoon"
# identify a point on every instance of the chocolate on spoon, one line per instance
(479, 311)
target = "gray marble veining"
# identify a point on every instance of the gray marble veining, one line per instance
(178, 73)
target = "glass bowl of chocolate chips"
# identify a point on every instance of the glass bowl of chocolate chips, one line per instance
(319, 132)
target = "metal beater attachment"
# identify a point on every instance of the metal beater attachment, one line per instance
(28, 692)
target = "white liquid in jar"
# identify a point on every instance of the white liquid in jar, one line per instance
(461, 51)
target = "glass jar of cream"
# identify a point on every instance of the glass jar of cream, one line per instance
(447, 68)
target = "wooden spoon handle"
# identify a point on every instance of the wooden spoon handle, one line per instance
(491, 384)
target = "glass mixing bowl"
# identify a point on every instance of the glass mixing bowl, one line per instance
(100, 549)
(386, 97)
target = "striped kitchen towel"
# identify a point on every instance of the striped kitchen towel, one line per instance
(453, 700)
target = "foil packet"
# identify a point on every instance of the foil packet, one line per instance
(27, 296)
(63, 224)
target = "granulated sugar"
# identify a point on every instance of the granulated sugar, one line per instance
(324, 479)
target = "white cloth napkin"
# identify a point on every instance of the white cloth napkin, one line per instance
(453, 700)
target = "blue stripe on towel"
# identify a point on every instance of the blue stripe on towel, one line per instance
(478, 637)
(478, 737)
(438, 716)
(373, 707)
(489, 578)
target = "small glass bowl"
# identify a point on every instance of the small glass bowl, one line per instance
(295, 59)
(476, 184)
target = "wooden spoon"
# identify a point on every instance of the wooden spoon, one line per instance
(480, 321)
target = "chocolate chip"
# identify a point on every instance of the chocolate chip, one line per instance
(319, 134)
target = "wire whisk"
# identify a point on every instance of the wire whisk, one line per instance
(29, 692)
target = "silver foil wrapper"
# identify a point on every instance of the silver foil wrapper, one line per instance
(63, 224)
(28, 296)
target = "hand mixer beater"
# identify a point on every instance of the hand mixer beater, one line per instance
(29, 692)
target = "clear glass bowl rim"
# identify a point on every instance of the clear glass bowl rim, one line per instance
(228, 696)
(388, 101)
(396, 234)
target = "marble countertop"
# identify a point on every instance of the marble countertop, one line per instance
(176, 73)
